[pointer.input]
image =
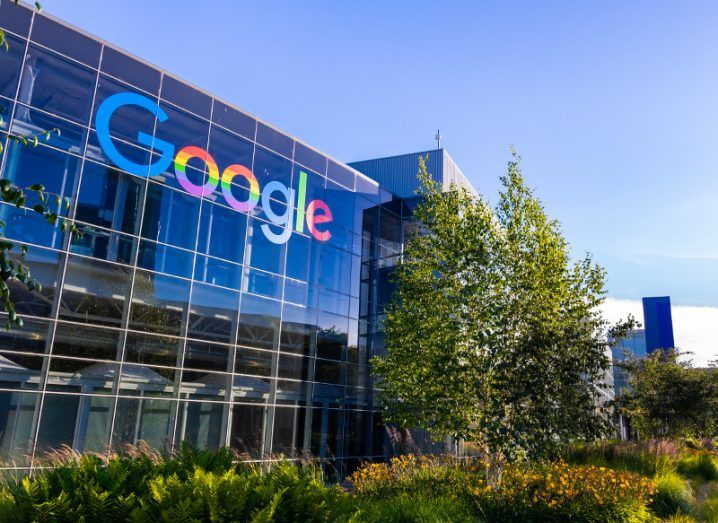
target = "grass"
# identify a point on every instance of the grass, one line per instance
(673, 495)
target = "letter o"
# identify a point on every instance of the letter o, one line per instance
(240, 170)
(185, 154)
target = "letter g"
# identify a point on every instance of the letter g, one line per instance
(102, 125)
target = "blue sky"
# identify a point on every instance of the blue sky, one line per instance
(613, 105)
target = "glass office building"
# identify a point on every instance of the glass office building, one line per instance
(228, 285)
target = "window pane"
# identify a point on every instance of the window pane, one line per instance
(94, 291)
(274, 140)
(170, 216)
(110, 198)
(163, 258)
(45, 266)
(293, 367)
(67, 41)
(262, 253)
(288, 435)
(213, 313)
(31, 338)
(298, 330)
(228, 149)
(202, 424)
(152, 350)
(142, 380)
(234, 120)
(81, 341)
(57, 85)
(326, 432)
(104, 245)
(249, 389)
(148, 420)
(222, 232)
(21, 371)
(59, 418)
(18, 410)
(55, 170)
(63, 135)
(130, 70)
(331, 336)
(253, 362)
(263, 283)
(186, 97)
(10, 63)
(206, 386)
(258, 323)
(127, 120)
(75, 375)
(218, 272)
(206, 356)
(269, 166)
(158, 303)
(248, 422)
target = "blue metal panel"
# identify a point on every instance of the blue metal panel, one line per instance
(658, 323)
(398, 174)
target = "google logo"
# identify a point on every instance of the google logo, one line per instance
(314, 213)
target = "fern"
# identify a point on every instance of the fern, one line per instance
(266, 515)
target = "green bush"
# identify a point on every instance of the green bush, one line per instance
(194, 486)
(702, 464)
(410, 509)
(673, 495)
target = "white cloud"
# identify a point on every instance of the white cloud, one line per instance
(695, 329)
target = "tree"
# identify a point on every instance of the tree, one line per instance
(15, 270)
(494, 335)
(668, 397)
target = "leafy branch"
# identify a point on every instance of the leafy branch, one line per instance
(12, 194)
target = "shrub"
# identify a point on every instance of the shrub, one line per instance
(673, 495)
(426, 475)
(560, 492)
(196, 486)
(701, 464)
(709, 510)
(410, 509)
(553, 492)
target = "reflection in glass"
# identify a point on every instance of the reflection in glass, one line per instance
(152, 350)
(298, 330)
(75, 375)
(203, 425)
(110, 198)
(141, 380)
(56, 85)
(55, 170)
(248, 422)
(253, 362)
(205, 386)
(206, 356)
(163, 258)
(104, 245)
(326, 432)
(18, 411)
(64, 135)
(170, 216)
(258, 323)
(94, 291)
(86, 342)
(158, 303)
(31, 338)
(222, 232)
(147, 420)
(213, 313)
(46, 267)
(288, 435)
(21, 371)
